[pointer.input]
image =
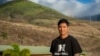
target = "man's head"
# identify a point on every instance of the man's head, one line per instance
(63, 26)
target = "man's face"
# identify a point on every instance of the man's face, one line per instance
(63, 29)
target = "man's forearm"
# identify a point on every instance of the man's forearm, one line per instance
(77, 54)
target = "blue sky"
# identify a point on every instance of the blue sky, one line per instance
(86, 1)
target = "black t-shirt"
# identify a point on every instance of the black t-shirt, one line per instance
(65, 47)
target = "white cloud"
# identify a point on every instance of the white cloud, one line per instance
(72, 7)
(97, 1)
(36, 1)
(50, 1)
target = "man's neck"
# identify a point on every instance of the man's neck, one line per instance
(64, 36)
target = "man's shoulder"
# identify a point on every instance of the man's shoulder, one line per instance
(56, 39)
(72, 37)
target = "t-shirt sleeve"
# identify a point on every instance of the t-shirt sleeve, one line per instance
(52, 47)
(76, 46)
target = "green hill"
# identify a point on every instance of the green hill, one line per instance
(27, 11)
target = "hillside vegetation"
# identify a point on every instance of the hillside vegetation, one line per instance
(27, 11)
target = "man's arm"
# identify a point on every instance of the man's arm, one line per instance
(76, 47)
(77, 54)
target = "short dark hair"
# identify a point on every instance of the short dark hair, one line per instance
(63, 20)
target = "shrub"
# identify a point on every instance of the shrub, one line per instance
(16, 51)
(25, 52)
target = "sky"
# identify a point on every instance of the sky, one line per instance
(74, 8)
(86, 1)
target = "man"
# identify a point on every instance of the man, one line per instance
(65, 44)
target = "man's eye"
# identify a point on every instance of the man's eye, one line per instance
(64, 26)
